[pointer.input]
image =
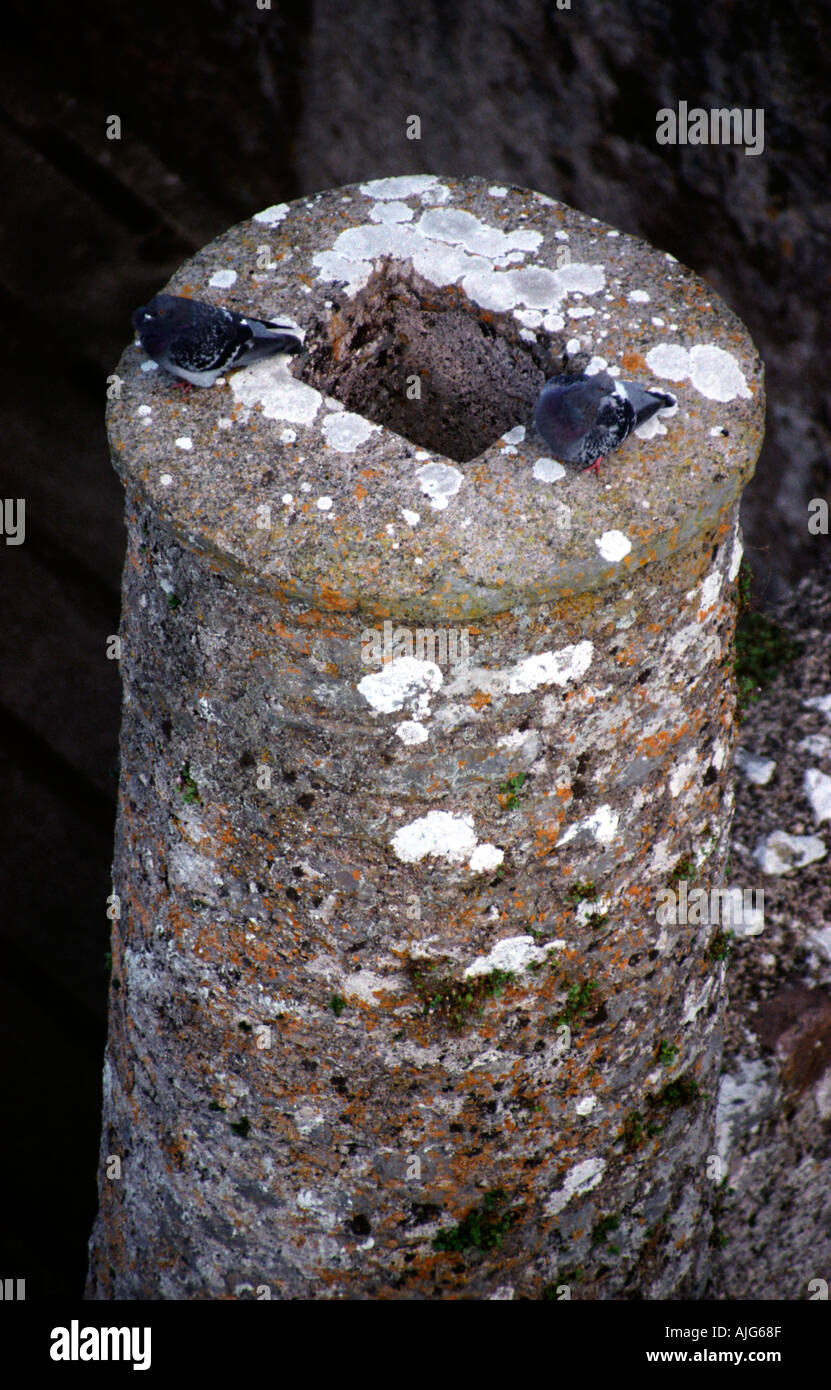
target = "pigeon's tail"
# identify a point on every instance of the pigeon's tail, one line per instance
(270, 337)
(646, 403)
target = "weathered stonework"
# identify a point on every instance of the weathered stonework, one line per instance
(392, 1012)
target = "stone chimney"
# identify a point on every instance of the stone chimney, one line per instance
(425, 750)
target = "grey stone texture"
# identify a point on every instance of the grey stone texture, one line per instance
(393, 1012)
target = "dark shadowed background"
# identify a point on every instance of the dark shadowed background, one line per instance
(226, 108)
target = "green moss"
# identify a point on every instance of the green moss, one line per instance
(718, 1239)
(582, 893)
(763, 647)
(188, 789)
(483, 1228)
(242, 1127)
(512, 788)
(215, 1105)
(685, 868)
(587, 893)
(634, 1130)
(603, 1228)
(580, 999)
(450, 999)
(682, 1091)
(572, 1275)
(337, 1005)
(721, 945)
(667, 1053)
(173, 602)
(637, 1129)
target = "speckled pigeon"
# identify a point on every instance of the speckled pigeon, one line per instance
(198, 341)
(583, 418)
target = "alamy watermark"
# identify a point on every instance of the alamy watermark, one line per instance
(737, 125)
(729, 907)
(447, 647)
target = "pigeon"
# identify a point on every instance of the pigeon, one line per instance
(583, 418)
(198, 341)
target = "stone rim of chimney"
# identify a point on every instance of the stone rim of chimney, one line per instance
(209, 461)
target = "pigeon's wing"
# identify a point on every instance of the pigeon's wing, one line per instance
(572, 409)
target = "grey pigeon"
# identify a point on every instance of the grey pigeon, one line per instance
(583, 418)
(198, 341)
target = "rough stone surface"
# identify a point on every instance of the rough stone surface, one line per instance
(310, 1072)
(774, 1125)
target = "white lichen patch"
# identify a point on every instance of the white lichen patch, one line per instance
(713, 372)
(270, 385)
(439, 482)
(223, 279)
(585, 1105)
(399, 186)
(529, 318)
(411, 733)
(708, 591)
(664, 856)
(184, 442)
(551, 668)
(602, 824)
(696, 999)
(548, 470)
(439, 834)
(460, 228)
(613, 545)
(757, 770)
(347, 431)
(821, 703)
(817, 788)
(526, 739)
(486, 859)
(270, 217)
(735, 555)
(683, 773)
(546, 668)
(511, 953)
(582, 1178)
(391, 212)
(411, 518)
(638, 297)
(445, 835)
(401, 681)
(781, 853)
(166, 479)
(818, 745)
(514, 436)
(743, 1096)
(367, 986)
(449, 245)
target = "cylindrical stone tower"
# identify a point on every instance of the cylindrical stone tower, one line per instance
(421, 734)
